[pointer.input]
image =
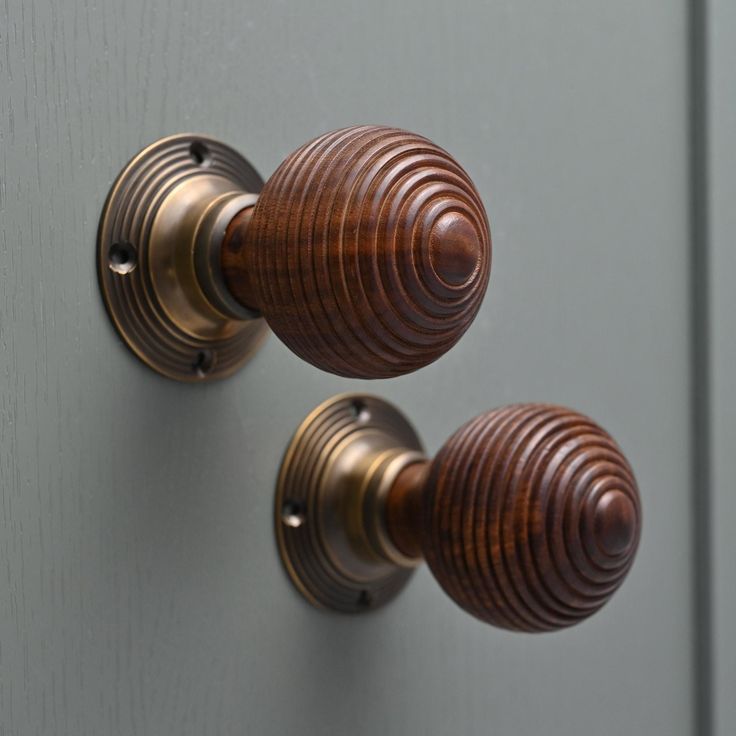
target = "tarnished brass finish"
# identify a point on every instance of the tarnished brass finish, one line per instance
(330, 520)
(158, 258)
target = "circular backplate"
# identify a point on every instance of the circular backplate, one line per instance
(177, 348)
(321, 495)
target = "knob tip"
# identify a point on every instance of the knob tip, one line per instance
(455, 248)
(615, 522)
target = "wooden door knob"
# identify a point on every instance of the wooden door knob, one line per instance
(529, 515)
(367, 252)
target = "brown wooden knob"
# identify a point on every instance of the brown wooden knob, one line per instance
(368, 252)
(529, 516)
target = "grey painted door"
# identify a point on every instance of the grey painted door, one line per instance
(140, 589)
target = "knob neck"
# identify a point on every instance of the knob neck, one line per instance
(224, 216)
(403, 509)
(236, 274)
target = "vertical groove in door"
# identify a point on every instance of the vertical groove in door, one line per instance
(700, 366)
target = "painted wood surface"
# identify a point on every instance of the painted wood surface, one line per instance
(140, 587)
(720, 115)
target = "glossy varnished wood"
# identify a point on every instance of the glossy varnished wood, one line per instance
(404, 508)
(529, 516)
(368, 252)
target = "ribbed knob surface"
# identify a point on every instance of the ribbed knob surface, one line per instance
(531, 517)
(368, 252)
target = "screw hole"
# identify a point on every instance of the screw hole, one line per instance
(365, 599)
(200, 153)
(292, 514)
(203, 363)
(359, 411)
(122, 258)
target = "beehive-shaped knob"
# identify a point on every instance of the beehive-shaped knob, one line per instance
(368, 252)
(530, 517)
